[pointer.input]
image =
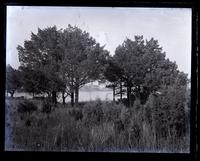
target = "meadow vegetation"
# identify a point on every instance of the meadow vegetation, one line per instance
(93, 126)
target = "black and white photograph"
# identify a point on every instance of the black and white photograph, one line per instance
(98, 79)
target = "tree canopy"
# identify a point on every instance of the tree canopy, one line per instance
(66, 59)
(12, 80)
(143, 68)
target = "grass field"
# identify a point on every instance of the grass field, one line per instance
(91, 126)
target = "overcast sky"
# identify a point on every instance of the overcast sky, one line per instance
(109, 26)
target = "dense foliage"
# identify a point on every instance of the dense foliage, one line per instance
(141, 69)
(64, 59)
(12, 80)
(97, 126)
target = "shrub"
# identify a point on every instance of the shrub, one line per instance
(114, 112)
(124, 101)
(111, 111)
(119, 126)
(26, 107)
(39, 97)
(76, 114)
(165, 112)
(92, 113)
(46, 106)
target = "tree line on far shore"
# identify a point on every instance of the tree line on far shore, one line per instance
(62, 61)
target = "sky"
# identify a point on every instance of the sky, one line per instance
(110, 26)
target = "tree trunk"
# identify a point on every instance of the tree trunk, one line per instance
(72, 98)
(113, 93)
(12, 93)
(54, 99)
(128, 95)
(48, 94)
(121, 91)
(76, 95)
(138, 92)
(72, 91)
(63, 97)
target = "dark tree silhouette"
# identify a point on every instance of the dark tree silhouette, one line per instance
(144, 68)
(129, 58)
(82, 59)
(41, 54)
(114, 75)
(12, 80)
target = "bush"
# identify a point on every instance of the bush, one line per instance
(92, 113)
(119, 126)
(111, 111)
(26, 107)
(76, 114)
(46, 106)
(165, 112)
(39, 97)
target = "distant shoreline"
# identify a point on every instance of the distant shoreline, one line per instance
(85, 94)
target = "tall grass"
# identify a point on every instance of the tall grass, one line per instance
(92, 126)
